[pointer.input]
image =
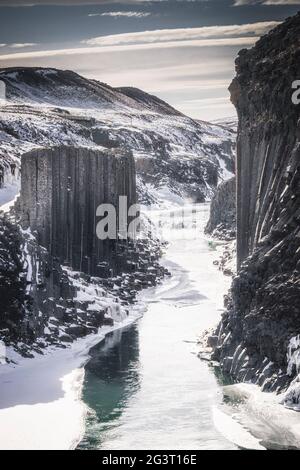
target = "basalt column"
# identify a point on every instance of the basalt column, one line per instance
(263, 312)
(60, 192)
(268, 138)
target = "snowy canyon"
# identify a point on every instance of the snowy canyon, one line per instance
(61, 134)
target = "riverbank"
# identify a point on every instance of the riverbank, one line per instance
(40, 406)
(140, 384)
(259, 414)
(146, 388)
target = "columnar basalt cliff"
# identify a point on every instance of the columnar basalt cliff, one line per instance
(257, 338)
(222, 221)
(12, 278)
(58, 280)
(61, 190)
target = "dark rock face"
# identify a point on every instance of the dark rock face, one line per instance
(12, 279)
(43, 303)
(263, 308)
(222, 222)
(268, 134)
(60, 192)
(58, 280)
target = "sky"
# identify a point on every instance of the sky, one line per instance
(180, 50)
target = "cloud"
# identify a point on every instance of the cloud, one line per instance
(241, 42)
(22, 45)
(205, 103)
(19, 45)
(182, 34)
(210, 36)
(29, 3)
(121, 14)
(240, 3)
(184, 66)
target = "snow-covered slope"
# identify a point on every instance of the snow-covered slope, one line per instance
(228, 123)
(174, 153)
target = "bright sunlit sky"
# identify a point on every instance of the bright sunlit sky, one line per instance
(180, 50)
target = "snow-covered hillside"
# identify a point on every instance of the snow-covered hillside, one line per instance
(175, 155)
(229, 123)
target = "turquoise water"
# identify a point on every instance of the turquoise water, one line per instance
(144, 385)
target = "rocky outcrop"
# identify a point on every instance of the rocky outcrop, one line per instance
(256, 340)
(222, 221)
(12, 278)
(60, 192)
(58, 280)
(46, 304)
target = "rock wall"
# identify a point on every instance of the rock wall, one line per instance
(44, 299)
(61, 189)
(263, 308)
(268, 133)
(12, 278)
(45, 304)
(222, 221)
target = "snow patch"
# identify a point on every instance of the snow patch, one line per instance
(41, 405)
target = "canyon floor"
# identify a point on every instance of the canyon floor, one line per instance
(140, 384)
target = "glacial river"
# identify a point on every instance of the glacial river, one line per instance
(144, 385)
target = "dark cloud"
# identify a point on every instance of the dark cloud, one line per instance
(239, 3)
(71, 2)
(181, 50)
